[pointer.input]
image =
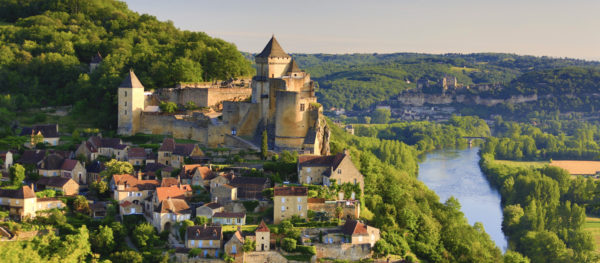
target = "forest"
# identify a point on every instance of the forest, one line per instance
(46, 46)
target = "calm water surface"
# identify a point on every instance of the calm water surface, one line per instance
(456, 173)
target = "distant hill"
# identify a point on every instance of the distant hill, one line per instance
(46, 45)
(359, 81)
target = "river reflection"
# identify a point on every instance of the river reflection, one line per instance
(456, 173)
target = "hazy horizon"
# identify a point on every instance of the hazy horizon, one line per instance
(539, 28)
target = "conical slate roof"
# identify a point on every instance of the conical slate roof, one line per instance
(273, 49)
(131, 81)
(294, 67)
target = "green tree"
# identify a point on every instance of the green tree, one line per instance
(103, 240)
(17, 174)
(183, 228)
(144, 236)
(249, 245)
(99, 188)
(201, 220)
(264, 148)
(116, 167)
(288, 244)
(381, 116)
(168, 107)
(81, 205)
(127, 256)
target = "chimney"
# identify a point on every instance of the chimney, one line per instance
(178, 179)
(32, 187)
(210, 166)
(139, 175)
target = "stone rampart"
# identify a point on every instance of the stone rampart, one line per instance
(204, 96)
(343, 251)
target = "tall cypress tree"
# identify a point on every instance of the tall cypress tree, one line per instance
(265, 145)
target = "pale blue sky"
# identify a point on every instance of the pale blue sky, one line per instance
(565, 28)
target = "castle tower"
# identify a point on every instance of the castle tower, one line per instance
(130, 104)
(271, 63)
(95, 62)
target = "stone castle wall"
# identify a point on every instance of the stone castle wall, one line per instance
(204, 97)
(343, 251)
(202, 131)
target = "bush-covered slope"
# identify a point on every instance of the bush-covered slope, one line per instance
(46, 45)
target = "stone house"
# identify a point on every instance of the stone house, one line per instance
(221, 179)
(7, 160)
(51, 165)
(49, 132)
(209, 209)
(206, 238)
(48, 203)
(20, 203)
(353, 232)
(74, 169)
(110, 147)
(87, 149)
(66, 185)
(152, 169)
(174, 154)
(289, 201)
(129, 208)
(169, 212)
(196, 175)
(235, 246)
(129, 188)
(323, 170)
(223, 194)
(229, 218)
(250, 188)
(98, 209)
(137, 156)
(173, 191)
(93, 170)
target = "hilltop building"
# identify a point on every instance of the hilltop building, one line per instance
(281, 100)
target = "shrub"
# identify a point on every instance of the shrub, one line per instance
(310, 250)
(250, 205)
(288, 244)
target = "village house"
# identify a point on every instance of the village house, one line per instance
(209, 209)
(220, 179)
(353, 232)
(6, 160)
(196, 175)
(323, 170)
(48, 132)
(223, 194)
(128, 188)
(50, 165)
(151, 170)
(137, 156)
(32, 159)
(289, 201)
(98, 209)
(235, 246)
(169, 212)
(173, 191)
(22, 203)
(129, 208)
(66, 185)
(263, 237)
(229, 218)
(74, 169)
(207, 238)
(248, 188)
(93, 171)
(175, 154)
(88, 150)
(107, 147)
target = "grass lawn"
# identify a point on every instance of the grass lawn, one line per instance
(233, 228)
(304, 258)
(538, 164)
(592, 224)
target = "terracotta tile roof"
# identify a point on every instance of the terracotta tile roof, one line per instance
(213, 205)
(168, 145)
(174, 206)
(133, 184)
(131, 81)
(316, 160)
(169, 181)
(126, 203)
(48, 130)
(204, 232)
(163, 193)
(21, 193)
(32, 157)
(354, 227)
(262, 227)
(52, 162)
(578, 167)
(290, 191)
(184, 149)
(109, 142)
(273, 49)
(229, 215)
(189, 170)
(90, 146)
(136, 153)
(69, 165)
(53, 181)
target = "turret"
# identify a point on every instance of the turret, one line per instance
(130, 104)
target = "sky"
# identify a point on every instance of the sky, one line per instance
(555, 28)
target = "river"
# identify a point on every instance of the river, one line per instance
(456, 173)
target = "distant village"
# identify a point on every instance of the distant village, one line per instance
(237, 209)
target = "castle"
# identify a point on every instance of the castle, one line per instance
(282, 102)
